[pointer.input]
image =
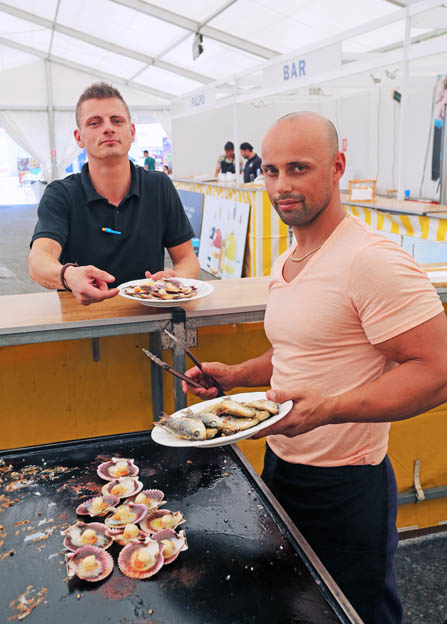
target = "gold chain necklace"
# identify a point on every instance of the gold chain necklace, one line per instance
(309, 253)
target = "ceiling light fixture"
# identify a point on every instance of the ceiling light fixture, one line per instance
(197, 47)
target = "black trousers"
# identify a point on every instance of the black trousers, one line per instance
(347, 514)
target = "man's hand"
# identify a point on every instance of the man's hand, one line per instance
(89, 284)
(310, 410)
(225, 375)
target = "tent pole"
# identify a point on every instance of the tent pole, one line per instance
(236, 138)
(51, 133)
(403, 107)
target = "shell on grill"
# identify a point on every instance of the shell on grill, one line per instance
(128, 513)
(83, 534)
(160, 519)
(153, 499)
(126, 535)
(98, 506)
(89, 563)
(123, 488)
(173, 543)
(117, 468)
(141, 560)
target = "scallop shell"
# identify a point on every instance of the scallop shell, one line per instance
(178, 541)
(131, 484)
(108, 471)
(148, 526)
(126, 560)
(73, 536)
(139, 510)
(84, 509)
(155, 499)
(74, 559)
(118, 536)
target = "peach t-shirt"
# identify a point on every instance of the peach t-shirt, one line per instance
(358, 290)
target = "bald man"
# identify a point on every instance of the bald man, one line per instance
(359, 339)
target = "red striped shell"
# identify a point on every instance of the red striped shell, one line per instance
(74, 560)
(178, 542)
(152, 525)
(127, 559)
(120, 538)
(131, 487)
(139, 512)
(110, 470)
(154, 499)
(85, 509)
(73, 536)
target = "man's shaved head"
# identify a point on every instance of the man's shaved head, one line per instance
(302, 167)
(326, 126)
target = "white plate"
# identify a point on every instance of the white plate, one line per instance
(164, 437)
(203, 289)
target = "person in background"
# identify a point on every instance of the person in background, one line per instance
(359, 340)
(167, 170)
(111, 222)
(149, 162)
(253, 162)
(226, 163)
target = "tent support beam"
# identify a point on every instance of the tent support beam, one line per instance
(194, 26)
(51, 132)
(100, 43)
(88, 70)
(403, 108)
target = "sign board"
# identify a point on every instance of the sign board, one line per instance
(289, 72)
(199, 101)
(193, 207)
(224, 232)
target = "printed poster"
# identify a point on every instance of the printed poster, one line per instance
(223, 236)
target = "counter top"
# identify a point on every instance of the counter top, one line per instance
(45, 317)
(400, 206)
(250, 186)
(50, 316)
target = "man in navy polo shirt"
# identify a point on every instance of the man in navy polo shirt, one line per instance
(253, 162)
(112, 222)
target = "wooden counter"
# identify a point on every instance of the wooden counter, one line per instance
(45, 317)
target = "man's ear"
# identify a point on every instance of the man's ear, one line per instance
(339, 165)
(77, 136)
(132, 131)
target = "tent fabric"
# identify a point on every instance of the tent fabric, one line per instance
(145, 48)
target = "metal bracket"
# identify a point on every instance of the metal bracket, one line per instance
(417, 480)
(95, 350)
(188, 337)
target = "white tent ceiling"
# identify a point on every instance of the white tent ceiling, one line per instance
(51, 50)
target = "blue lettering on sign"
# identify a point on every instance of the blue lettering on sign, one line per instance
(198, 100)
(294, 70)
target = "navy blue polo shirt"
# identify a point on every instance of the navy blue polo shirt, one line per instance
(150, 218)
(251, 167)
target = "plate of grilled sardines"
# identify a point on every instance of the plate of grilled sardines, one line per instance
(220, 421)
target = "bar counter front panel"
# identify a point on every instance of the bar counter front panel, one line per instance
(245, 563)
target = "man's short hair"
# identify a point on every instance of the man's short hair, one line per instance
(146, 152)
(99, 91)
(229, 146)
(246, 146)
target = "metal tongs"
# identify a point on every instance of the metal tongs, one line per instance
(188, 380)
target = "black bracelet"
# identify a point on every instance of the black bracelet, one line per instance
(62, 274)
